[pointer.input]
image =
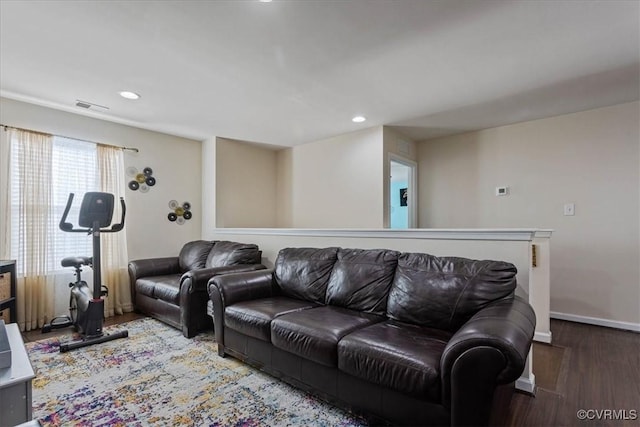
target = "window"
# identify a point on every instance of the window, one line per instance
(73, 170)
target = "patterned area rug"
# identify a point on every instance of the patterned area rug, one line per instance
(158, 377)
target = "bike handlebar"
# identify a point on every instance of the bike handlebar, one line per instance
(117, 227)
(66, 226)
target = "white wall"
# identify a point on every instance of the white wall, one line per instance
(334, 182)
(284, 188)
(208, 182)
(246, 184)
(175, 162)
(589, 158)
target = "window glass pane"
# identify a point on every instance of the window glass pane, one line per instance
(74, 170)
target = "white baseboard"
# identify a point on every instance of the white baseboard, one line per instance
(544, 337)
(596, 321)
(528, 385)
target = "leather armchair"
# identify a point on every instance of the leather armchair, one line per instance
(174, 289)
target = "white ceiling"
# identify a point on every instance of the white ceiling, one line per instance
(290, 72)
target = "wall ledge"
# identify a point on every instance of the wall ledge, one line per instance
(511, 234)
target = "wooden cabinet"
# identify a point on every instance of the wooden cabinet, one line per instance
(8, 291)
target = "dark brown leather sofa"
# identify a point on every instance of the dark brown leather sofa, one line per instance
(174, 289)
(401, 338)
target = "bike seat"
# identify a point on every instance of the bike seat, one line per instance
(76, 261)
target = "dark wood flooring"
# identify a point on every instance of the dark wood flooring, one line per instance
(36, 334)
(586, 368)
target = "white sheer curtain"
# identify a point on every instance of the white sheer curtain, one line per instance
(5, 202)
(113, 246)
(27, 215)
(37, 173)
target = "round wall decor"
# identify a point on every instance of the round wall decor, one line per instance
(141, 180)
(180, 213)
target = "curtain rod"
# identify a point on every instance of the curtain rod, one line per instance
(69, 137)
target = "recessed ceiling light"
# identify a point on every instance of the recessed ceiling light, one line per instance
(129, 95)
(358, 119)
(265, 1)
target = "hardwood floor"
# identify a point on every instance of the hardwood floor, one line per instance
(36, 334)
(587, 367)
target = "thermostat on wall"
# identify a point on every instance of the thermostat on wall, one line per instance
(502, 191)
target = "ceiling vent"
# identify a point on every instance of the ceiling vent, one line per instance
(88, 105)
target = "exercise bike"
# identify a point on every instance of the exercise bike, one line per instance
(86, 306)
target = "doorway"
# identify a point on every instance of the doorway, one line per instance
(402, 193)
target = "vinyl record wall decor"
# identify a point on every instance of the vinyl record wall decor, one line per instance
(181, 213)
(141, 181)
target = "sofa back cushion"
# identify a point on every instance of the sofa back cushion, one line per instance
(193, 255)
(303, 273)
(226, 253)
(445, 292)
(361, 279)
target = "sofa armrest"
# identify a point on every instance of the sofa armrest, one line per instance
(196, 280)
(229, 289)
(233, 288)
(489, 349)
(153, 267)
(193, 294)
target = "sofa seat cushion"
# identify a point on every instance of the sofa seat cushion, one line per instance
(396, 355)
(166, 288)
(254, 317)
(314, 333)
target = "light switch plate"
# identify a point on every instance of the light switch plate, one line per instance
(569, 209)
